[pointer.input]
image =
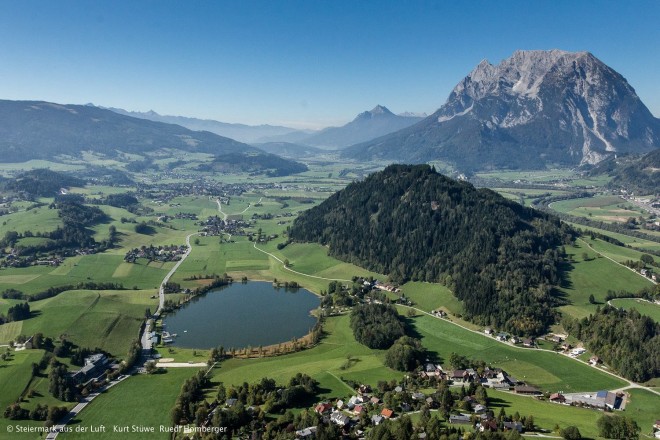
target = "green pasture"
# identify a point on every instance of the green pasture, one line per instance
(649, 309)
(106, 319)
(142, 400)
(617, 253)
(547, 370)
(638, 243)
(431, 296)
(15, 376)
(594, 276)
(323, 362)
(39, 219)
(103, 267)
(607, 208)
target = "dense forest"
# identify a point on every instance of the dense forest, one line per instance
(412, 223)
(42, 182)
(625, 340)
(376, 325)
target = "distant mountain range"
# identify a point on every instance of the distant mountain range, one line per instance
(534, 109)
(240, 132)
(44, 130)
(367, 125)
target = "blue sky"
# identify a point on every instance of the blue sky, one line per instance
(300, 63)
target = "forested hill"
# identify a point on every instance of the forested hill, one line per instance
(410, 222)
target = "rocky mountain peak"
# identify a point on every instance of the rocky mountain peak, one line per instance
(535, 108)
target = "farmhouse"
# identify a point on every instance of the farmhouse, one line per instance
(526, 389)
(95, 365)
(601, 399)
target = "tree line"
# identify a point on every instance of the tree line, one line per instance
(626, 340)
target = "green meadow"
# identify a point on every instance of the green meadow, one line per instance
(607, 208)
(100, 268)
(549, 371)
(594, 276)
(649, 309)
(106, 319)
(142, 400)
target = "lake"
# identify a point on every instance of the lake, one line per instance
(241, 315)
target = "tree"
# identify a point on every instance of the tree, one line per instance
(592, 299)
(571, 433)
(405, 354)
(619, 427)
(646, 259)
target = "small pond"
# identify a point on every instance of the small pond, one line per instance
(241, 315)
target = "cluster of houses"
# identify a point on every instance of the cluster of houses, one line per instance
(512, 339)
(347, 414)
(153, 253)
(495, 378)
(214, 225)
(178, 216)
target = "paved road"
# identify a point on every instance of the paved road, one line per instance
(295, 271)
(76, 409)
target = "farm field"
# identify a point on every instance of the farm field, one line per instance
(594, 276)
(550, 371)
(638, 243)
(546, 415)
(35, 219)
(106, 319)
(431, 296)
(142, 400)
(617, 253)
(644, 307)
(607, 208)
(323, 362)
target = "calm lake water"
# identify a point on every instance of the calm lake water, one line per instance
(243, 314)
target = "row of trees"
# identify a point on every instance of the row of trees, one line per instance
(17, 312)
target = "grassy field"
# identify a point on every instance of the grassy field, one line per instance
(323, 362)
(607, 208)
(617, 253)
(39, 219)
(550, 371)
(430, 296)
(15, 375)
(143, 400)
(638, 243)
(106, 319)
(594, 276)
(644, 307)
(98, 268)
(546, 415)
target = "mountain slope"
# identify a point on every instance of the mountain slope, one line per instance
(43, 130)
(534, 109)
(413, 223)
(240, 132)
(639, 175)
(367, 125)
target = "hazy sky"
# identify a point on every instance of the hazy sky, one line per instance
(300, 63)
